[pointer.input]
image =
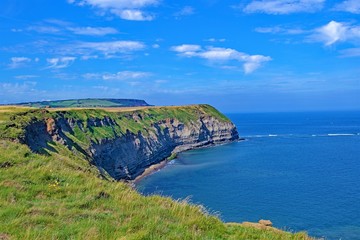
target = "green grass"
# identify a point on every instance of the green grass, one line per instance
(90, 102)
(62, 197)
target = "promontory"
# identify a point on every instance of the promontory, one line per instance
(59, 170)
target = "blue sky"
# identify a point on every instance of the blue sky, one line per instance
(238, 55)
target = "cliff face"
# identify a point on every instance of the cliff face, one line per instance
(124, 144)
(126, 157)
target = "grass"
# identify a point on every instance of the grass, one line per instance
(90, 102)
(60, 195)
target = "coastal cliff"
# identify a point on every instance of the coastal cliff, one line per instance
(124, 144)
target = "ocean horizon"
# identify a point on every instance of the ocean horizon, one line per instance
(300, 170)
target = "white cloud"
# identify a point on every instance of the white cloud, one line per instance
(93, 31)
(119, 76)
(352, 6)
(215, 40)
(185, 11)
(350, 52)
(186, 48)
(88, 57)
(116, 4)
(216, 54)
(62, 62)
(125, 9)
(334, 32)
(280, 30)
(106, 48)
(54, 26)
(329, 34)
(25, 77)
(16, 89)
(44, 29)
(283, 6)
(133, 15)
(17, 62)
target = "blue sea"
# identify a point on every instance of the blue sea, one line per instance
(300, 170)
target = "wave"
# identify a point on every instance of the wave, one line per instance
(340, 134)
(302, 135)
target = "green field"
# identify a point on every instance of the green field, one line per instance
(60, 195)
(85, 103)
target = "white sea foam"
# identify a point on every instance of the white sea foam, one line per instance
(303, 135)
(340, 134)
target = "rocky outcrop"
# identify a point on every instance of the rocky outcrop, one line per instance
(127, 155)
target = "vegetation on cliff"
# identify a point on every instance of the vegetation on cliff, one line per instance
(14, 120)
(60, 195)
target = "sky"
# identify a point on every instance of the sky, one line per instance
(237, 55)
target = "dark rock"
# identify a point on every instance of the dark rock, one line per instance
(6, 164)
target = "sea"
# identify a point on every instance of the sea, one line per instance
(299, 170)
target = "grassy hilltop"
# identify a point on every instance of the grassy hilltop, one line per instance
(60, 195)
(85, 103)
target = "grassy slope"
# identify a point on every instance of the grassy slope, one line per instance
(61, 196)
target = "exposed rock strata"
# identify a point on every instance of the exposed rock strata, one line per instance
(126, 155)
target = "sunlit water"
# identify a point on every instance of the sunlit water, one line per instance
(300, 170)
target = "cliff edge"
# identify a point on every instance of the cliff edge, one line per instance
(124, 143)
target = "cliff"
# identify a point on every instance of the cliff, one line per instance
(124, 144)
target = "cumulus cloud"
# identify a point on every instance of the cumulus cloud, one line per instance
(186, 48)
(283, 6)
(216, 54)
(119, 76)
(352, 6)
(334, 32)
(133, 15)
(17, 62)
(93, 31)
(125, 9)
(62, 62)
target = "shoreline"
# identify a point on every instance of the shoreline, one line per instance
(158, 166)
(150, 170)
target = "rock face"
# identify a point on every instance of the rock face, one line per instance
(127, 155)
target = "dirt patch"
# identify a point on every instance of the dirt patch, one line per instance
(4, 236)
